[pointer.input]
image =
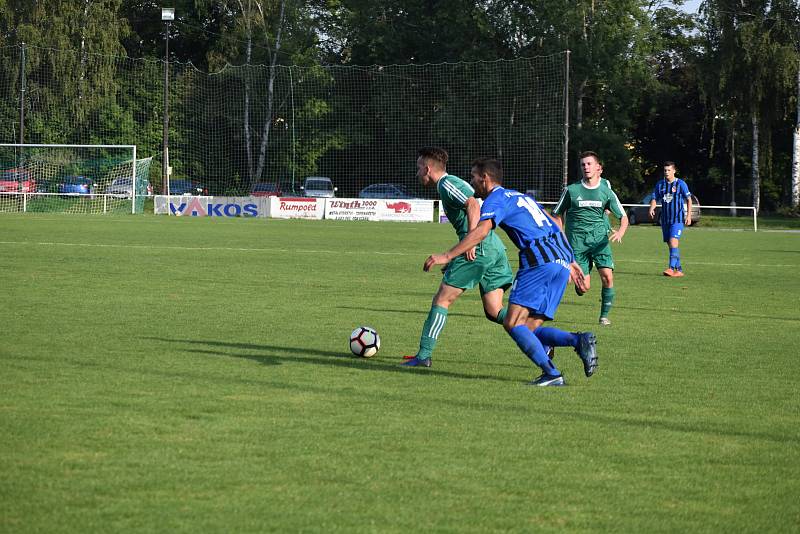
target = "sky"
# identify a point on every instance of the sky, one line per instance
(690, 6)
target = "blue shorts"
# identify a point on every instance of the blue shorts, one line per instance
(540, 289)
(671, 231)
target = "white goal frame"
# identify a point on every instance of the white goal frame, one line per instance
(49, 145)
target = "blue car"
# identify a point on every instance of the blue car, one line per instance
(76, 185)
(186, 187)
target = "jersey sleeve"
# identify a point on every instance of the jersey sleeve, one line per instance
(563, 203)
(685, 189)
(455, 192)
(615, 205)
(493, 209)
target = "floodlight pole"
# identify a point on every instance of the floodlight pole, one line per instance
(565, 162)
(167, 15)
(22, 95)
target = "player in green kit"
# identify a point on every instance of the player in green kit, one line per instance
(587, 226)
(485, 265)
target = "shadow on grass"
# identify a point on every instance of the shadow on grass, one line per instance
(277, 355)
(698, 427)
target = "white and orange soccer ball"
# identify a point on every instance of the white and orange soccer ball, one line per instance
(365, 342)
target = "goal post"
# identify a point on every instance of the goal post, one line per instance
(72, 178)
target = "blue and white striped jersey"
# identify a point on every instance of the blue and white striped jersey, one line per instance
(673, 200)
(533, 232)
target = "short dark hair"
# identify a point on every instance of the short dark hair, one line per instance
(434, 153)
(590, 154)
(669, 163)
(491, 166)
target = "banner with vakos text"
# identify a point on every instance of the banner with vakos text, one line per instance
(363, 209)
(296, 208)
(202, 206)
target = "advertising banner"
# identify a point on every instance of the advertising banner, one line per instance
(296, 208)
(363, 209)
(202, 206)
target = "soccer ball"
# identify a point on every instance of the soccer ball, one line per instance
(365, 342)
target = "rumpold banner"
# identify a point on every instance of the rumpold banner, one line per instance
(296, 208)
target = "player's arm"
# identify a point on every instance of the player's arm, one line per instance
(473, 216)
(616, 235)
(615, 206)
(653, 206)
(558, 220)
(688, 207)
(475, 236)
(560, 207)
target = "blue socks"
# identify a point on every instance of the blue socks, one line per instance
(554, 337)
(533, 349)
(674, 258)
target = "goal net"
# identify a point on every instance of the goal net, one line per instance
(73, 178)
(253, 128)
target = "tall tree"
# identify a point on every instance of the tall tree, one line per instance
(748, 52)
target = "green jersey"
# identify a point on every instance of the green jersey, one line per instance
(453, 195)
(586, 207)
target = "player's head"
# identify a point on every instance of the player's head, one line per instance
(486, 174)
(431, 164)
(591, 166)
(669, 170)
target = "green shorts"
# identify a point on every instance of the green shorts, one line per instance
(490, 270)
(592, 250)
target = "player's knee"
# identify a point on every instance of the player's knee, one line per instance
(489, 315)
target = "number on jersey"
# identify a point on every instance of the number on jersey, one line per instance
(534, 209)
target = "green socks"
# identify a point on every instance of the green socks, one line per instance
(501, 315)
(433, 326)
(606, 300)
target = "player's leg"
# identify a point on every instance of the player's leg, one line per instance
(496, 280)
(582, 255)
(604, 261)
(534, 298)
(434, 324)
(493, 305)
(516, 324)
(583, 342)
(672, 235)
(459, 276)
(607, 294)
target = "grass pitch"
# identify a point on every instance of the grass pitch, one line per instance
(181, 374)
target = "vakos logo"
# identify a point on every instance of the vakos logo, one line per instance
(196, 208)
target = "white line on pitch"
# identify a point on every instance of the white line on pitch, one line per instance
(228, 249)
(306, 251)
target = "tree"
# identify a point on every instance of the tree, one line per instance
(749, 55)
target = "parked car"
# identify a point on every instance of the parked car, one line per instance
(641, 214)
(186, 187)
(386, 191)
(18, 180)
(123, 188)
(266, 189)
(319, 186)
(76, 185)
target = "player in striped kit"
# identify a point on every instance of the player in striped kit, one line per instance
(676, 210)
(546, 265)
(484, 265)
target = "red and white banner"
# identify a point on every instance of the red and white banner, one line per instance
(364, 209)
(296, 208)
